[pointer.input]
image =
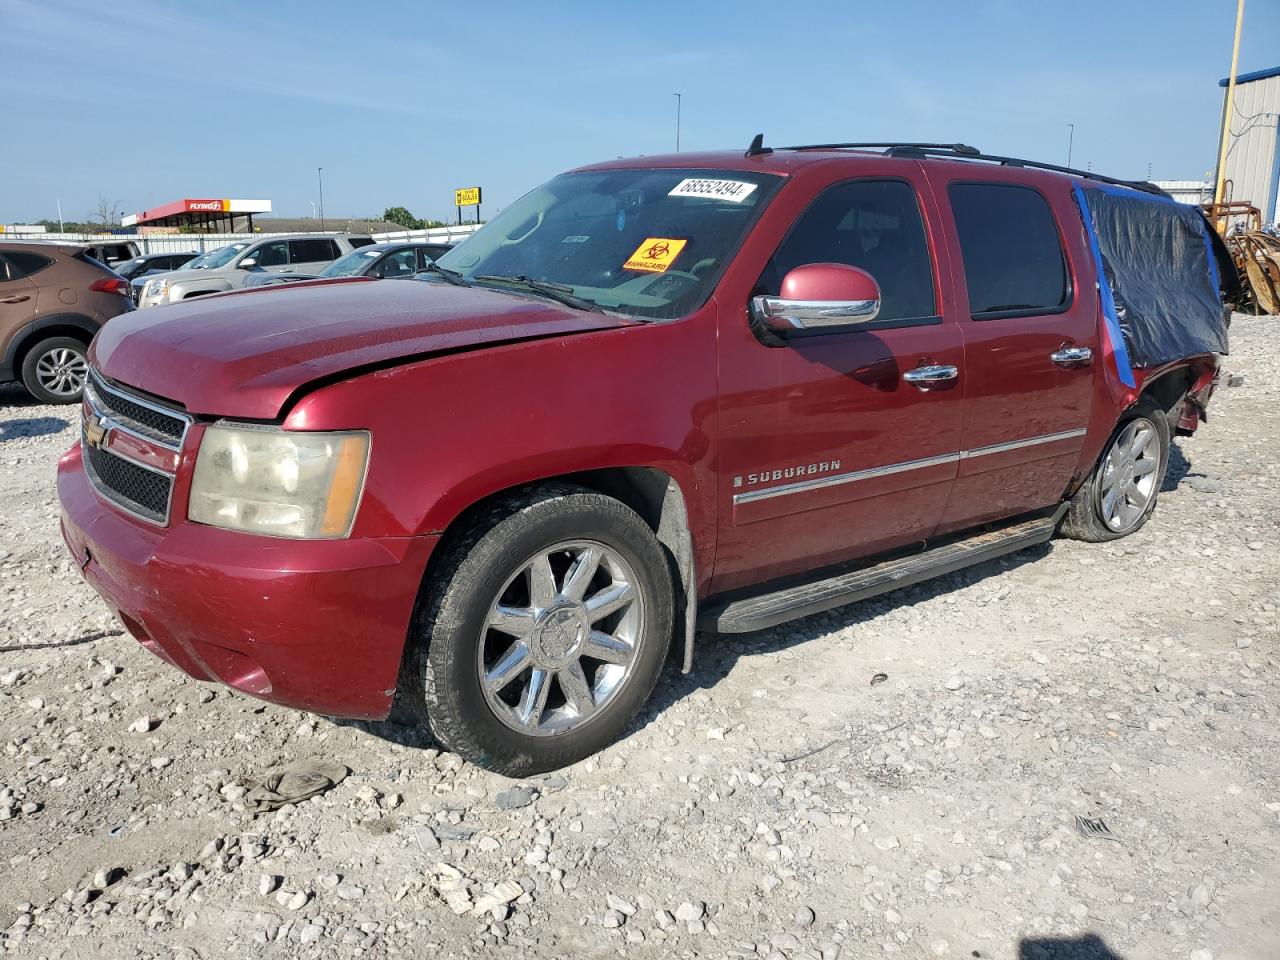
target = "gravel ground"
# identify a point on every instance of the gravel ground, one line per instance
(775, 804)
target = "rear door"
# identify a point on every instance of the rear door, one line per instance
(312, 255)
(17, 300)
(1028, 305)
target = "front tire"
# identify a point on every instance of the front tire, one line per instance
(543, 631)
(1120, 495)
(54, 370)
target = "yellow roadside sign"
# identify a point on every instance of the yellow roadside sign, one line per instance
(466, 197)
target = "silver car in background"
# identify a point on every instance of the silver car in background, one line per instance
(394, 259)
(228, 268)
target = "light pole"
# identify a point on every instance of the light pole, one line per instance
(1071, 137)
(678, 99)
(1220, 184)
(320, 178)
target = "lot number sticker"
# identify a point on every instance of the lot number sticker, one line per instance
(735, 191)
(655, 255)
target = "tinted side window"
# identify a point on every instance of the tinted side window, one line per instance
(1013, 260)
(871, 224)
(310, 251)
(272, 254)
(356, 243)
(23, 264)
(402, 263)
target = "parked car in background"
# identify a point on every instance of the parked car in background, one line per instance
(386, 261)
(227, 268)
(150, 263)
(721, 390)
(53, 299)
(111, 252)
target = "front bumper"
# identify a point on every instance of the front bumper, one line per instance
(319, 625)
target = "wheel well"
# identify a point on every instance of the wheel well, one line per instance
(656, 497)
(47, 333)
(1168, 390)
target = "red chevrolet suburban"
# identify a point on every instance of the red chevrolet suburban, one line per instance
(715, 391)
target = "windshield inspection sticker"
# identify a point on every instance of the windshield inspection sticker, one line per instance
(655, 255)
(735, 191)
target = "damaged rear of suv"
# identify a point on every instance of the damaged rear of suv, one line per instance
(706, 391)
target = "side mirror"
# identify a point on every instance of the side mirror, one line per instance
(819, 298)
(246, 263)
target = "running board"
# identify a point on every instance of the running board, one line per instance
(770, 609)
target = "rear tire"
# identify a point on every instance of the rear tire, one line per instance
(1120, 495)
(54, 370)
(581, 595)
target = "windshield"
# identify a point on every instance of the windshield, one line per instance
(348, 265)
(651, 243)
(214, 258)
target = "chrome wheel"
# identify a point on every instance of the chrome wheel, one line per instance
(1130, 473)
(62, 371)
(561, 638)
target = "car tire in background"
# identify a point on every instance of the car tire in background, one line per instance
(1120, 495)
(54, 370)
(541, 632)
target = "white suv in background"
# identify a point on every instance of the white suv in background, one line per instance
(227, 268)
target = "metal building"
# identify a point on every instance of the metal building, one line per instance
(1253, 150)
(1187, 191)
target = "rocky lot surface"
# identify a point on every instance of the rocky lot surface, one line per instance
(775, 804)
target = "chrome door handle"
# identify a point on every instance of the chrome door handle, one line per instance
(925, 377)
(1069, 356)
(17, 299)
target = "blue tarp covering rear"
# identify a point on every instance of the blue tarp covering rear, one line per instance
(1158, 261)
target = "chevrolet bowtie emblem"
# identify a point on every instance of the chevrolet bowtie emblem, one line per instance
(94, 432)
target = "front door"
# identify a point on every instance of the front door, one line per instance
(827, 453)
(1029, 312)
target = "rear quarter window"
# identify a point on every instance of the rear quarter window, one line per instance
(1013, 259)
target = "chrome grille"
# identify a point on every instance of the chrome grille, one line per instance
(128, 485)
(135, 487)
(142, 416)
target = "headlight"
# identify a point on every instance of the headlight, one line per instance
(277, 482)
(155, 290)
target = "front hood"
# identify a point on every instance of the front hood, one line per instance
(176, 276)
(244, 354)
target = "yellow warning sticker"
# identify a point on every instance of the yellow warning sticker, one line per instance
(655, 255)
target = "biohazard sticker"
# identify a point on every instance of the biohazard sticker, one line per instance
(735, 191)
(655, 255)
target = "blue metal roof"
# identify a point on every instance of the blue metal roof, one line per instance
(1249, 77)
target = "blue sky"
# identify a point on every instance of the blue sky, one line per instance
(143, 102)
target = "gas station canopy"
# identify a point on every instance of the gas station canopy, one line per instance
(215, 216)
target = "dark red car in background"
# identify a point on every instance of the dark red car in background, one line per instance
(717, 389)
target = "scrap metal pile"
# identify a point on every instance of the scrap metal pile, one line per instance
(1255, 250)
